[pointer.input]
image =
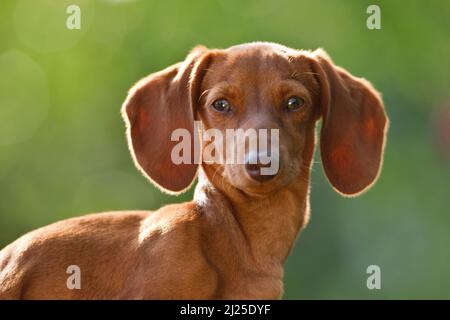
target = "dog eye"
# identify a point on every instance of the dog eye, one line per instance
(295, 103)
(221, 105)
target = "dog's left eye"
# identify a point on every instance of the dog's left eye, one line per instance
(294, 103)
(221, 105)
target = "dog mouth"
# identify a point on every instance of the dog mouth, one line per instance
(263, 191)
(252, 183)
(288, 172)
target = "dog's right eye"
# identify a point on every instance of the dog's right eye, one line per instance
(221, 105)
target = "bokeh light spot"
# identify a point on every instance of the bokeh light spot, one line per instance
(43, 27)
(24, 97)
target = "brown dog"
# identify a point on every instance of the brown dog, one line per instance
(232, 240)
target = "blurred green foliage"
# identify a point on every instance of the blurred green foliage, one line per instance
(63, 152)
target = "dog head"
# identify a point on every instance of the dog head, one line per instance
(259, 104)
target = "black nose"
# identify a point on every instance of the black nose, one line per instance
(254, 171)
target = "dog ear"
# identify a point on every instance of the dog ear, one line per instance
(354, 127)
(156, 106)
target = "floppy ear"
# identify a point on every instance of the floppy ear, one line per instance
(354, 126)
(155, 107)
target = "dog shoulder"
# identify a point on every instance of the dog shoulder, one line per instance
(171, 222)
(172, 255)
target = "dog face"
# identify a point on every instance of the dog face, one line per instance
(258, 86)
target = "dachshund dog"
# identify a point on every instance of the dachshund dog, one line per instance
(232, 240)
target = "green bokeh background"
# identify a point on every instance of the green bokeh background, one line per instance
(63, 152)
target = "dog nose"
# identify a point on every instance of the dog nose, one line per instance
(254, 167)
(254, 171)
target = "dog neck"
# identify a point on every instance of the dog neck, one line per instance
(268, 225)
